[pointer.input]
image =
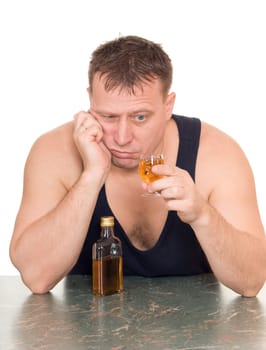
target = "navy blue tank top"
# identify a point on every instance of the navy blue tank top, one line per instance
(177, 252)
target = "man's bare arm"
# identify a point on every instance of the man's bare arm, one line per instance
(224, 215)
(58, 200)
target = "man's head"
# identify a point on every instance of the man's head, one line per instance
(129, 79)
(130, 61)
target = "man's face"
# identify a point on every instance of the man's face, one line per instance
(132, 124)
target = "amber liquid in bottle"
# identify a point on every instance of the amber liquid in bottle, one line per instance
(107, 262)
(108, 278)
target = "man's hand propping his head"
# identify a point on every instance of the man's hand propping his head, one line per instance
(88, 136)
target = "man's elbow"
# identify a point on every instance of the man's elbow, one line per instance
(37, 281)
(34, 284)
(252, 290)
(37, 288)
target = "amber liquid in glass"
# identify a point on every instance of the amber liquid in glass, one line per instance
(108, 275)
(145, 166)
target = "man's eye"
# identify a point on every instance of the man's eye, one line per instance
(140, 117)
(108, 116)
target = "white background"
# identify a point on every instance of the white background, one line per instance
(218, 52)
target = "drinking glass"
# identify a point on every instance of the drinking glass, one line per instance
(146, 162)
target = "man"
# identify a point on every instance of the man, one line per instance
(206, 218)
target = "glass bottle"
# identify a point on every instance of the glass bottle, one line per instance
(107, 263)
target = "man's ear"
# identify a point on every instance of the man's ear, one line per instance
(89, 91)
(169, 104)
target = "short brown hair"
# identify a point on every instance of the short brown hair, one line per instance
(127, 62)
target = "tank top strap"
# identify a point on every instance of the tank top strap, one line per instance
(189, 136)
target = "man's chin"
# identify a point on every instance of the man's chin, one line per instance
(125, 163)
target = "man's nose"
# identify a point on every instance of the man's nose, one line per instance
(123, 134)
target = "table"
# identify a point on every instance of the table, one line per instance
(163, 313)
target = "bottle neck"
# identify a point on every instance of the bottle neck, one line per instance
(107, 231)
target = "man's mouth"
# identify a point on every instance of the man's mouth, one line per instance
(123, 154)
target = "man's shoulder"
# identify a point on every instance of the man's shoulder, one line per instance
(55, 139)
(214, 139)
(55, 153)
(218, 151)
(63, 130)
(219, 156)
(54, 145)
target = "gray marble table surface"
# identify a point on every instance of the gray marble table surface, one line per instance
(163, 313)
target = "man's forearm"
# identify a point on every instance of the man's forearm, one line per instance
(238, 259)
(50, 246)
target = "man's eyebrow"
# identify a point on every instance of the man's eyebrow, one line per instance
(140, 111)
(133, 112)
(102, 112)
